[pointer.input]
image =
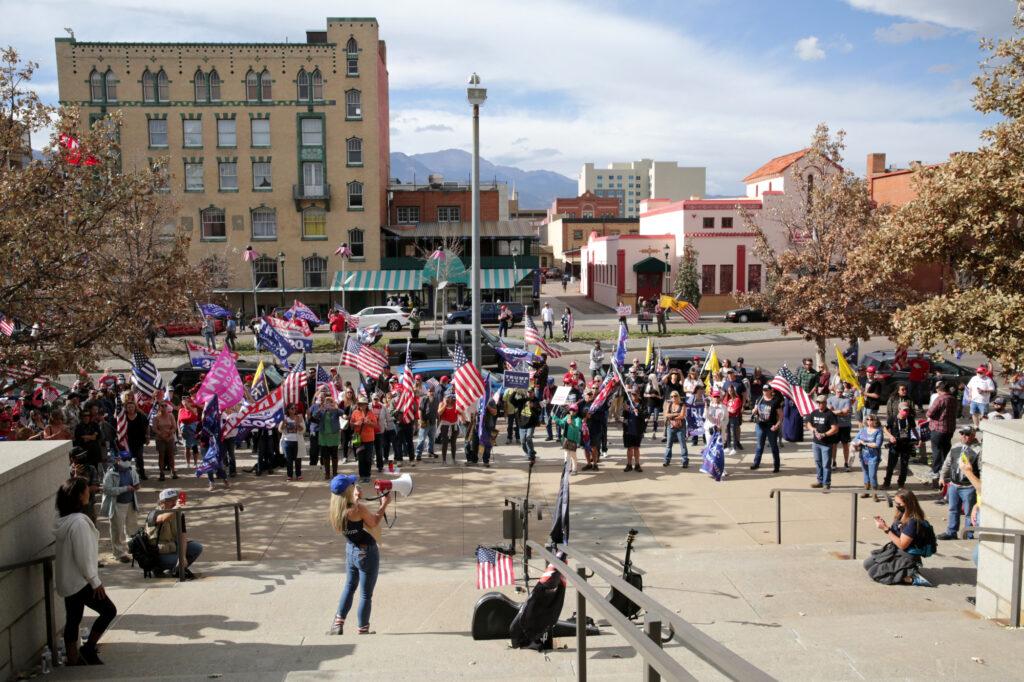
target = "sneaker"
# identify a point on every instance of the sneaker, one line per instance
(487, 465)
(828, 486)
(865, 495)
(88, 654)
(775, 470)
(941, 502)
(638, 469)
(686, 464)
(287, 478)
(337, 627)
(920, 581)
(946, 536)
(755, 467)
(597, 468)
(628, 468)
(816, 485)
(211, 488)
(587, 467)
(665, 463)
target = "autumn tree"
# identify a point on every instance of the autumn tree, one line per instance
(967, 214)
(687, 284)
(812, 288)
(91, 251)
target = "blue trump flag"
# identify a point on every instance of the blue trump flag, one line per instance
(272, 341)
(214, 310)
(620, 346)
(713, 457)
(212, 428)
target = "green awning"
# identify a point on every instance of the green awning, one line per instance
(496, 278)
(379, 280)
(650, 264)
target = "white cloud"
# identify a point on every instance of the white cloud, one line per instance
(991, 17)
(906, 31)
(809, 49)
(941, 68)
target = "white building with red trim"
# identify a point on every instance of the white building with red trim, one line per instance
(617, 270)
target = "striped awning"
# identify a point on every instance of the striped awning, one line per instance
(498, 278)
(379, 280)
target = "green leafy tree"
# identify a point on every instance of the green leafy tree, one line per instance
(688, 277)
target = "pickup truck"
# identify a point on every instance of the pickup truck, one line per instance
(488, 314)
(435, 348)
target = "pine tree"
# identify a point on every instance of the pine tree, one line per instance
(688, 277)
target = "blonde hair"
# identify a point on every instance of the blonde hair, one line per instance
(340, 506)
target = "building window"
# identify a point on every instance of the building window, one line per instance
(265, 92)
(353, 106)
(754, 278)
(261, 176)
(727, 222)
(158, 132)
(102, 86)
(96, 86)
(577, 234)
(355, 194)
(110, 81)
(193, 177)
(226, 133)
(355, 151)
(314, 272)
(313, 179)
(314, 224)
(707, 279)
(316, 85)
(214, 86)
(448, 214)
(192, 132)
(213, 224)
(407, 215)
(162, 87)
(709, 222)
(312, 132)
(355, 242)
(725, 279)
(252, 86)
(264, 223)
(228, 174)
(588, 214)
(302, 85)
(260, 132)
(201, 87)
(265, 271)
(148, 86)
(352, 47)
(352, 57)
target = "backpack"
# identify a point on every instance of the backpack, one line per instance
(144, 552)
(929, 541)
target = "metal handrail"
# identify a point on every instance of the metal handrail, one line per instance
(647, 646)
(854, 494)
(1018, 560)
(706, 648)
(47, 562)
(179, 511)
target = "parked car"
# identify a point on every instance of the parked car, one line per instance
(683, 358)
(435, 369)
(745, 315)
(488, 314)
(436, 347)
(891, 378)
(186, 376)
(186, 328)
(390, 317)
(553, 273)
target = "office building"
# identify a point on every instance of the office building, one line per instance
(632, 181)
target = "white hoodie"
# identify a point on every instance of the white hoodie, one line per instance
(77, 547)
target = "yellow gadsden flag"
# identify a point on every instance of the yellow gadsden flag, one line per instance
(686, 310)
(257, 375)
(847, 374)
(650, 352)
(712, 367)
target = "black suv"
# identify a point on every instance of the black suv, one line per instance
(891, 378)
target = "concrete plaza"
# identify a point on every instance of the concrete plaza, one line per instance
(799, 610)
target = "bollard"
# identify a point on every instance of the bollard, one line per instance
(853, 525)
(581, 629)
(652, 628)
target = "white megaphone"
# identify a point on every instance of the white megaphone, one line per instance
(401, 486)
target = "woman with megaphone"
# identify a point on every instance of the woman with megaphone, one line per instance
(361, 528)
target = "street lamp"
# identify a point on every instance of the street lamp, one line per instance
(250, 256)
(668, 269)
(515, 270)
(476, 96)
(280, 262)
(345, 252)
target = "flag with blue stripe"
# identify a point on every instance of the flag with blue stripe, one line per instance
(620, 346)
(145, 376)
(273, 342)
(214, 310)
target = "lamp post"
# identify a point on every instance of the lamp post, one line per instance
(250, 256)
(476, 96)
(668, 269)
(280, 262)
(515, 270)
(345, 252)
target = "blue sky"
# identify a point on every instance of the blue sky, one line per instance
(724, 84)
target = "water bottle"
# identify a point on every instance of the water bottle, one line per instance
(62, 654)
(46, 665)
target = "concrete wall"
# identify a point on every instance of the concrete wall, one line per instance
(1002, 506)
(30, 473)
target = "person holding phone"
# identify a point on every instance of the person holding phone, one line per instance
(909, 539)
(162, 530)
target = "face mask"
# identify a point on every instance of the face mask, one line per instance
(903, 414)
(900, 509)
(123, 464)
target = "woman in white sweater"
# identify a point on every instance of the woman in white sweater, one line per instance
(77, 578)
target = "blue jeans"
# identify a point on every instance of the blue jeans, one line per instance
(676, 436)
(762, 434)
(732, 433)
(169, 562)
(869, 464)
(291, 457)
(427, 433)
(526, 436)
(823, 462)
(961, 498)
(653, 420)
(548, 421)
(362, 566)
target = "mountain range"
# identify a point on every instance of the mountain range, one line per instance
(536, 189)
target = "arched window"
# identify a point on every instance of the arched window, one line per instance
(252, 86)
(355, 242)
(148, 87)
(316, 84)
(810, 190)
(214, 86)
(314, 223)
(265, 86)
(302, 83)
(314, 271)
(162, 87)
(353, 104)
(110, 83)
(214, 225)
(96, 91)
(202, 93)
(354, 147)
(352, 47)
(355, 194)
(264, 269)
(264, 223)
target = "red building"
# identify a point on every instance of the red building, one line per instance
(444, 202)
(587, 205)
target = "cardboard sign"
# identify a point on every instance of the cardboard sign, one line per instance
(516, 379)
(623, 310)
(561, 396)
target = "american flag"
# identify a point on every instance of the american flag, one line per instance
(368, 361)
(19, 372)
(688, 311)
(468, 382)
(351, 321)
(407, 402)
(301, 311)
(6, 325)
(122, 429)
(531, 335)
(295, 383)
(145, 376)
(607, 386)
(785, 382)
(323, 378)
(493, 569)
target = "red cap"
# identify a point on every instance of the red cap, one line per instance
(445, 379)
(870, 369)
(983, 369)
(418, 377)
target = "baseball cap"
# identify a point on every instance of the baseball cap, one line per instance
(572, 364)
(982, 368)
(819, 398)
(870, 369)
(168, 494)
(341, 482)
(967, 430)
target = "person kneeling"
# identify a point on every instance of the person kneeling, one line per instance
(162, 528)
(910, 539)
